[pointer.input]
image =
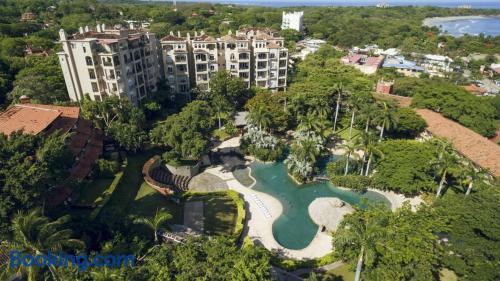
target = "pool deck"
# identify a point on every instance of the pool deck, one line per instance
(260, 228)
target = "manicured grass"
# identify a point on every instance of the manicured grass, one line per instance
(340, 273)
(219, 211)
(344, 133)
(88, 193)
(148, 200)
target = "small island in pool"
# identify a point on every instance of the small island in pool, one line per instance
(295, 229)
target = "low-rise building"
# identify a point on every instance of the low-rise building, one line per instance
(384, 87)
(406, 67)
(435, 65)
(366, 64)
(105, 62)
(308, 46)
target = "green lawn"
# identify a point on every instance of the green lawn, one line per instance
(148, 200)
(220, 213)
(341, 273)
(88, 193)
(344, 133)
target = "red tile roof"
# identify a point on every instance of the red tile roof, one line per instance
(35, 118)
(477, 148)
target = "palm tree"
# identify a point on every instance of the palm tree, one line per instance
(368, 112)
(260, 116)
(104, 274)
(311, 122)
(355, 102)
(35, 234)
(386, 119)
(160, 218)
(470, 174)
(362, 232)
(349, 148)
(448, 162)
(366, 141)
(340, 91)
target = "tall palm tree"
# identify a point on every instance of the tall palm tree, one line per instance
(315, 123)
(160, 218)
(448, 162)
(369, 113)
(35, 234)
(363, 232)
(366, 141)
(341, 92)
(356, 101)
(349, 148)
(260, 116)
(386, 119)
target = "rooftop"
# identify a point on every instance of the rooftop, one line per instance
(477, 148)
(402, 63)
(35, 118)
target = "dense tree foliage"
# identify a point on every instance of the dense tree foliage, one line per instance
(120, 119)
(451, 101)
(387, 245)
(188, 132)
(29, 167)
(408, 123)
(405, 166)
(473, 233)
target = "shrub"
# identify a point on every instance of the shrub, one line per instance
(107, 168)
(356, 182)
(265, 154)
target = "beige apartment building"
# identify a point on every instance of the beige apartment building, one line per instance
(106, 62)
(255, 55)
(132, 62)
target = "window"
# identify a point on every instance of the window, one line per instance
(243, 65)
(243, 56)
(181, 68)
(170, 69)
(95, 89)
(183, 88)
(232, 57)
(112, 74)
(212, 68)
(212, 57)
(92, 74)
(201, 67)
(88, 60)
(84, 49)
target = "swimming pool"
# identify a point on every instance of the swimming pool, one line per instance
(294, 229)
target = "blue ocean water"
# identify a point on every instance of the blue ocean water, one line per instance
(459, 27)
(492, 4)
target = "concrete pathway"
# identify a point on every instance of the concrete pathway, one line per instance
(206, 182)
(260, 228)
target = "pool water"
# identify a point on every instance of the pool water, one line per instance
(294, 229)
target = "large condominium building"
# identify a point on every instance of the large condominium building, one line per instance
(100, 63)
(293, 20)
(254, 55)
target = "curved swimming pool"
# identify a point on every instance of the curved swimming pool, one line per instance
(294, 229)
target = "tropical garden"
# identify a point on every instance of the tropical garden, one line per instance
(328, 108)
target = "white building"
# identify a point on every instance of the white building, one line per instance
(105, 62)
(435, 64)
(294, 20)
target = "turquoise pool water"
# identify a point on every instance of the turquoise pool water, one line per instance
(294, 229)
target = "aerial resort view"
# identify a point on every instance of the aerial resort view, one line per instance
(249, 140)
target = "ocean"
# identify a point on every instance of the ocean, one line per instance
(339, 3)
(458, 26)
